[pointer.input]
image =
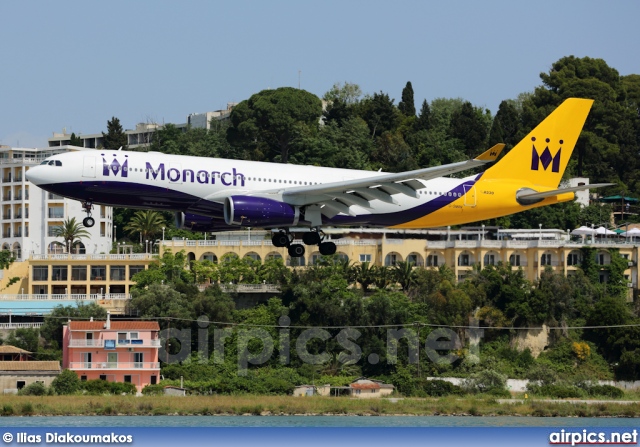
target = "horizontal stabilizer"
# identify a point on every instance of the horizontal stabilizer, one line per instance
(529, 196)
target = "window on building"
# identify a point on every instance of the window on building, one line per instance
(545, 259)
(154, 380)
(40, 272)
(573, 259)
(118, 273)
(59, 272)
(365, 258)
(103, 377)
(79, 273)
(133, 269)
(127, 379)
(20, 384)
(432, 261)
(514, 260)
(83, 378)
(489, 259)
(98, 272)
(463, 260)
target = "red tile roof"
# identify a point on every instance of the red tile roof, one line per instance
(116, 325)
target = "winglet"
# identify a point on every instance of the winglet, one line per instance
(491, 154)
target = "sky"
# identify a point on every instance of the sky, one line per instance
(76, 64)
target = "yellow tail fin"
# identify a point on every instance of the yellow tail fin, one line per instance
(542, 156)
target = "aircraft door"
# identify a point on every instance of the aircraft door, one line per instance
(469, 195)
(89, 167)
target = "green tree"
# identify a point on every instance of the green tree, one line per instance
(51, 329)
(24, 338)
(70, 231)
(422, 123)
(407, 105)
(268, 123)
(146, 223)
(67, 382)
(469, 126)
(380, 114)
(346, 93)
(115, 137)
(75, 140)
(6, 259)
(506, 126)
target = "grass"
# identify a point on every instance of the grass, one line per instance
(287, 405)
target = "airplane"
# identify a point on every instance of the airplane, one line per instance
(212, 194)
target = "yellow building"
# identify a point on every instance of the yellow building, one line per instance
(532, 250)
(47, 280)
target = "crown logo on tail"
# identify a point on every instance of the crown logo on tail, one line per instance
(546, 158)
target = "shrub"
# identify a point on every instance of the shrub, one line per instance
(486, 381)
(606, 391)
(66, 383)
(33, 389)
(438, 388)
(122, 388)
(556, 391)
(7, 410)
(96, 387)
(153, 390)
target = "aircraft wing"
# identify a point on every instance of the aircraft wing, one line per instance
(337, 197)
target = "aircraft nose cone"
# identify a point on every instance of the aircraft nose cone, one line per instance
(34, 175)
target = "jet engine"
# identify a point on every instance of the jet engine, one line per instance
(196, 222)
(249, 211)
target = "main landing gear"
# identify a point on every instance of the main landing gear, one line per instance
(88, 221)
(313, 237)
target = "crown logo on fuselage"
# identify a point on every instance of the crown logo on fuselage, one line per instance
(546, 158)
(115, 167)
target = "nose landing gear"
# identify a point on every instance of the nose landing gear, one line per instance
(88, 221)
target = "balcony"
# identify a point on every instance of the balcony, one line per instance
(83, 343)
(114, 365)
(139, 342)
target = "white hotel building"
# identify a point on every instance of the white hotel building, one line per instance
(30, 215)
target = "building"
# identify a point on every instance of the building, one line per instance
(30, 215)
(143, 133)
(113, 350)
(12, 353)
(17, 370)
(364, 388)
(533, 250)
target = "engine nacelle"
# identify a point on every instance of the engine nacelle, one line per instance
(196, 222)
(249, 211)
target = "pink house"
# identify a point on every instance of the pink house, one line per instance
(117, 351)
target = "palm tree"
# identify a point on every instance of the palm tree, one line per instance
(404, 274)
(70, 230)
(147, 223)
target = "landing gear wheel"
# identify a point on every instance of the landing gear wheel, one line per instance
(88, 222)
(296, 250)
(280, 240)
(311, 238)
(327, 248)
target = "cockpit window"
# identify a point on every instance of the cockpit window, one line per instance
(58, 163)
(52, 163)
(46, 162)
